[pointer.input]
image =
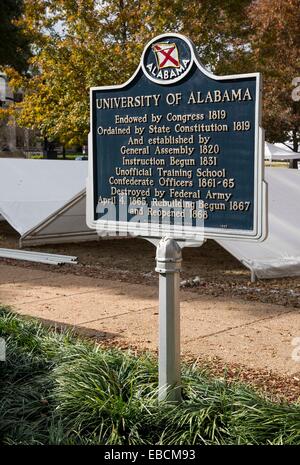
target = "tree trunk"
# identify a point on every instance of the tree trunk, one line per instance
(294, 163)
(295, 140)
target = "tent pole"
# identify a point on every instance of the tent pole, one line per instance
(253, 277)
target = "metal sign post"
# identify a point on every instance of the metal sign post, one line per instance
(168, 265)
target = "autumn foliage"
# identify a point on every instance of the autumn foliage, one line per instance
(77, 44)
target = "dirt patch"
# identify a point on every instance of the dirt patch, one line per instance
(133, 260)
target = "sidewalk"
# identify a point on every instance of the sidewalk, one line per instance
(254, 334)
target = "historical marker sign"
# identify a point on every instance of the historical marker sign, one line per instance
(176, 150)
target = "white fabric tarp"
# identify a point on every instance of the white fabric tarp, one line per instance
(273, 152)
(32, 190)
(68, 224)
(279, 254)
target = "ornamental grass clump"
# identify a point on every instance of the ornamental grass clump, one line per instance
(56, 388)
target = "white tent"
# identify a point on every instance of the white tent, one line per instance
(279, 254)
(273, 152)
(44, 200)
(285, 146)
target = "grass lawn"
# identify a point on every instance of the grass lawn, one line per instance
(56, 388)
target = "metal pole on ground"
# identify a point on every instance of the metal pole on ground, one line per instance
(168, 265)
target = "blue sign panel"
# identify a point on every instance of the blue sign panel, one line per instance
(177, 150)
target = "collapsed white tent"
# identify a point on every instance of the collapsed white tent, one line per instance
(44, 200)
(273, 152)
(279, 254)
